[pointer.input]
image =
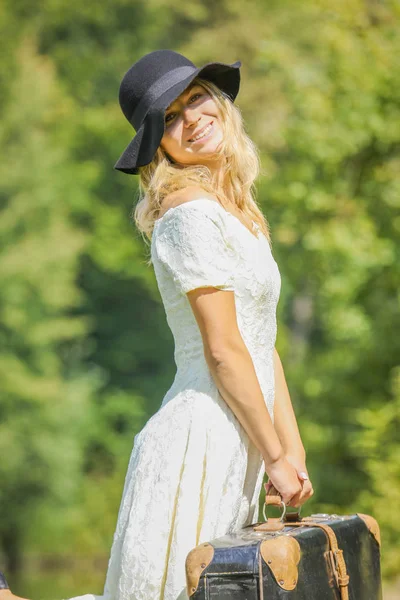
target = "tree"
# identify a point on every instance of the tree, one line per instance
(44, 393)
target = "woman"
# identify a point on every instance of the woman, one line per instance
(196, 468)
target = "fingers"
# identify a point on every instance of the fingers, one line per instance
(305, 494)
(267, 486)
(299, 498)
(288, 499)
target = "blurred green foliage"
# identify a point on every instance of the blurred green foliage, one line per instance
(85, 352)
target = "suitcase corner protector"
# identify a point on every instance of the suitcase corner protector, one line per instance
(197, 560)
(282, 555)
(372, 525)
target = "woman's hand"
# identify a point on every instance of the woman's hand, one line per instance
(283, 476)
(298, 462)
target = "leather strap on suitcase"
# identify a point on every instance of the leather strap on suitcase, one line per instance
(335, 553)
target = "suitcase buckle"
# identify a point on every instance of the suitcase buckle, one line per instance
(341, 580)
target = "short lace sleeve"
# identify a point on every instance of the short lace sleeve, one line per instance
(193, 245)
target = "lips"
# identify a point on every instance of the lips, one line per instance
(200, 131)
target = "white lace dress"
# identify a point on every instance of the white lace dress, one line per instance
(194, 474)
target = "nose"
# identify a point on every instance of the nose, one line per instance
(190, 116)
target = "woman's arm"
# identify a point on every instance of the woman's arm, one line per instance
(285, 422)
(233, 370)
(286, 427)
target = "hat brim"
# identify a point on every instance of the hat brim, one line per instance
(138, 154)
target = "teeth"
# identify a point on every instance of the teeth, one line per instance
(205, 132)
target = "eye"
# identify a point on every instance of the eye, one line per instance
(172, 115)
(167, 119)
(195, 96)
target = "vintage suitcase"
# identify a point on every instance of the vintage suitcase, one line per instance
(321, 557)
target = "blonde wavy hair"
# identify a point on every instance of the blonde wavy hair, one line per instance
(241, 168)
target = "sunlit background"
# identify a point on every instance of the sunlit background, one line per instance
(85, 352)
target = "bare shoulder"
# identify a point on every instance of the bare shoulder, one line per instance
(187, 194)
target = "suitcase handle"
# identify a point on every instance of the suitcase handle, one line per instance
(273, 498)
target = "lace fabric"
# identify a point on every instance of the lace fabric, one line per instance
(194, 474)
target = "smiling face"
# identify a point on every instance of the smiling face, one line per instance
(193, 130)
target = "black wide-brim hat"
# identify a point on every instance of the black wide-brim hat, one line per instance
(150, 86)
